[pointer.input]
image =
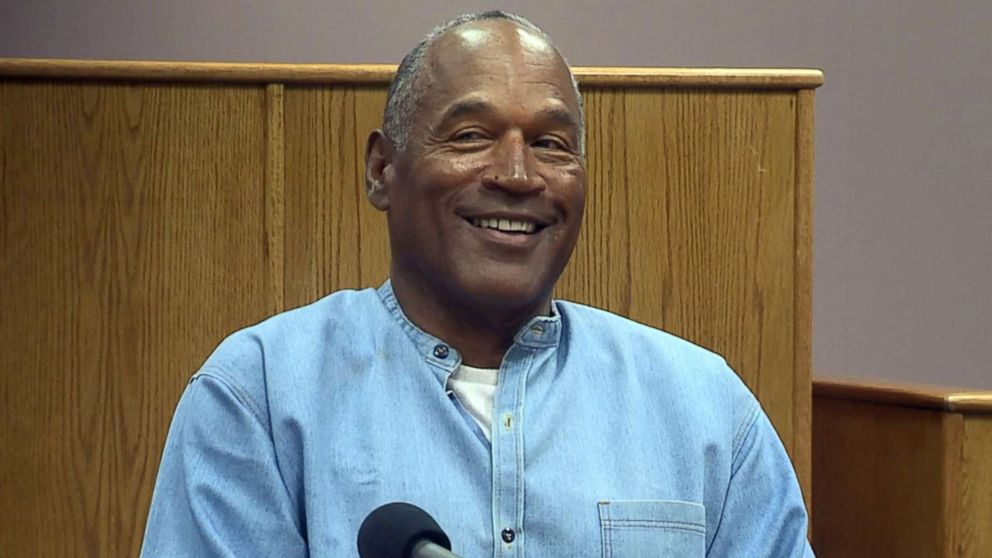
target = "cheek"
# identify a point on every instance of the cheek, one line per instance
(459, 168)
(574, 201)
(572, 191)
(578, 195)
(446, 169)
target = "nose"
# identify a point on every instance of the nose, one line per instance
(511, 169)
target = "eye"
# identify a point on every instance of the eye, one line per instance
(550, 142)
(469, 135)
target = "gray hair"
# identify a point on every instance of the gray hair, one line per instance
(405, 93)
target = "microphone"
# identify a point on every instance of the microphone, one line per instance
(401, 530)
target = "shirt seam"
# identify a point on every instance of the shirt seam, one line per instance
(742, 432)
(240, 394)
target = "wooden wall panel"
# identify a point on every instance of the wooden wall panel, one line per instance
(334, 238)
(975, 539)
(142, 221)
(886, 469)
(132, 242)
(901, 471)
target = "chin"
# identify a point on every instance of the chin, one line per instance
(512, 292)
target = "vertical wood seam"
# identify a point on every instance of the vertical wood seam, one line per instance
(803, 294)
(952, 451)
(275, 198)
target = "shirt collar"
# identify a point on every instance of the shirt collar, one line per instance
(539, 332)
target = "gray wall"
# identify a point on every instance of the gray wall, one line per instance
(903, 230)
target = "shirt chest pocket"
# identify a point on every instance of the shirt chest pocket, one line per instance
(652, 528)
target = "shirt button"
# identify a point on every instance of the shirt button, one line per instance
(440, 351)
(508, 535)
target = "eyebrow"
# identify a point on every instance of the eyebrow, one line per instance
(561, 116)
(466, 107)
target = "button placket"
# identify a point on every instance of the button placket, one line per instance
(507, 452)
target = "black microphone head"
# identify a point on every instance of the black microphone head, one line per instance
(392, 530)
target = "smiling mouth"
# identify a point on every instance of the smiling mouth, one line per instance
(509, 226)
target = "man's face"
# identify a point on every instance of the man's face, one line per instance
(485, 202)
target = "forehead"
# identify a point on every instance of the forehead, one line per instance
(496, 59)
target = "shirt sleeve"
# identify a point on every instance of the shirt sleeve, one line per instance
(219, 490)
(763, 513)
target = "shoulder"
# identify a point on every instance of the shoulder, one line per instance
(663, 365)
(615, 333)
(301, 325)
(292, 340)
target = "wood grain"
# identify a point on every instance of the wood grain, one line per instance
(132, 216)
(975, 538)
(899, 475)
(334, 238)
(381, 74)
(878, 480)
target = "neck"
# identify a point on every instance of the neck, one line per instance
(481, 332)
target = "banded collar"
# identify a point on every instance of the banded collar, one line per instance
(538, 333)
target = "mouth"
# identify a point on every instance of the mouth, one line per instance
(507, 226)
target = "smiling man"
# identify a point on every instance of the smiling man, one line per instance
(524, 425)
(483, 183)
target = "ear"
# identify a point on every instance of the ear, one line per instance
(379, 160)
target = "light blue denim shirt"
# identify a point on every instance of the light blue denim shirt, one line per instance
(609, 438)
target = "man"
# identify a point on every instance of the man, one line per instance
(523, 425)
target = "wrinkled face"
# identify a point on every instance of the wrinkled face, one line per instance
(486, 200)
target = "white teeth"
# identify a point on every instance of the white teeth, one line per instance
(505, 225)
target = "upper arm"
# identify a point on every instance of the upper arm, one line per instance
(763, 512)
(219, 490)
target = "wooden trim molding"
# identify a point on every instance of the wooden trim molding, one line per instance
(959, 400)
(803, 288)
(760, 78)
(275, 196)
(379, 74)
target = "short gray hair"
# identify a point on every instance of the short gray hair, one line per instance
(405, 92)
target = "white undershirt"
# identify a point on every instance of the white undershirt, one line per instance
(475, 389)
